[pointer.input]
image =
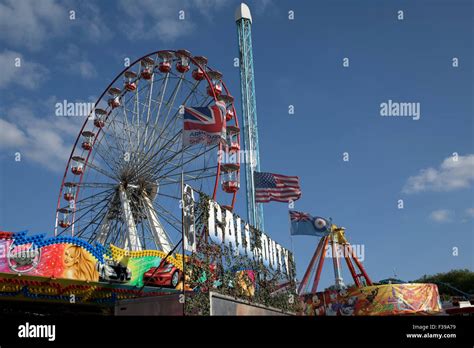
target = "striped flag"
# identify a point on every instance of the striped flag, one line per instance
(276, 187)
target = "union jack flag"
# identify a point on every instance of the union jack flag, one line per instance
(276, 187)
(299, 216)
(204, 125)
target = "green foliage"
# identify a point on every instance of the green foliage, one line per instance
(461, 279)
(217, 268)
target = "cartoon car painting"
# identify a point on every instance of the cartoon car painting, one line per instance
(166, 275)
(113, 271)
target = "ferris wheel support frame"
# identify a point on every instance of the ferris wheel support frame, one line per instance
(132, 242)
(103, 230)
(162, 240)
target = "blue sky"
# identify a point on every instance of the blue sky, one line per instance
(297, 62)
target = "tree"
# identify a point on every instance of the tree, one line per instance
(461, 279)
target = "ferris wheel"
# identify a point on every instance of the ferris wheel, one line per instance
(122, 183)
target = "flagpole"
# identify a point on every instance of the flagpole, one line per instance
(291, 236)
(182, 236)
(292, 250)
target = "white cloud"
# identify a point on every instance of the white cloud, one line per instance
(450, 176)
(76, 62)
(31, 24)
(91, 21)
(158, 19)
(46, 140)
(441, 215)
(261, 6)
(149, 19)
(28, 74)
(86, 69)
(10, 135)
(470, 212)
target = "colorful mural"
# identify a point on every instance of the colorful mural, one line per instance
(390, 299)
(73, 258)
(55, 260)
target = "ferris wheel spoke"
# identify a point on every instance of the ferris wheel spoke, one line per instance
(93, 196)
(140, 146)
(177, 139)
(166, 149)
(136, 130)
(136, 106)
(169, 181)
(115, 226)
(148, 108)
(162, 97)
(91, 206)
(149, 166)
(149, 159)
(130, 133)
(184, 163)
(93, 221)
(127, 125)
(187, 173)
(102, 171)
(98, 150)
(82, 203)
(106, 161)
(117, 128)
(96, 185)
(169, 218)
(198, 103)
(200, 174)
(168, 196)
(153, 149)
(169, 105)
(161, 164)
(108, 154)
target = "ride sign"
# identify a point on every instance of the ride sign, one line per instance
(225, 228)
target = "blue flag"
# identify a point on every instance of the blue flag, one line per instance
(305, 224)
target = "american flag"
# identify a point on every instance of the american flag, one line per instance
(276, 187)
(299, 216)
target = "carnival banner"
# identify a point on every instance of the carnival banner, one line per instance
(390, 299)
(53, 258)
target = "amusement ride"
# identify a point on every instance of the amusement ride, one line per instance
(122, 182)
